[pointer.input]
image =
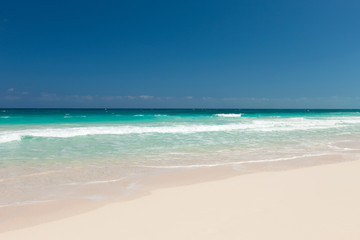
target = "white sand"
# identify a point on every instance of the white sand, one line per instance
(320, 202)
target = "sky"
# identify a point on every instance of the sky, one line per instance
(180, 54)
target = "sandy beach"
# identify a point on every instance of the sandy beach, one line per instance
(179, 120)
(320, 202)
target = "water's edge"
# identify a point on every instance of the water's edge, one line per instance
(23, 216)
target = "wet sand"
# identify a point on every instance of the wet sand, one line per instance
(319, 202)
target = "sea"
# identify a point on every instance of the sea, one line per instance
(56, 154)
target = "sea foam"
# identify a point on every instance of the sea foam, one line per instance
(229, 115)
(235, 163)
(266, 125)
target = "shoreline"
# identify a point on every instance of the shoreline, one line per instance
(219, 176)
(29, 215)
(21, 216)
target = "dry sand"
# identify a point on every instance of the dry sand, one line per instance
(321, 202)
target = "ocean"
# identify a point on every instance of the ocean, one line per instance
(55, 154)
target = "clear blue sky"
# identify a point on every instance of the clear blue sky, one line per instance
(242, 54)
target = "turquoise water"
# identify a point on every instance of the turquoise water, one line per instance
(46, 154)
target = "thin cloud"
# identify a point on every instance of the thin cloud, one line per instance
(111, 98)
(49, 97)
(146, 97)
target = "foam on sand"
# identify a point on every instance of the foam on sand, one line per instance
(311, 203)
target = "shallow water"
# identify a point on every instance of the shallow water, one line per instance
(48, 154)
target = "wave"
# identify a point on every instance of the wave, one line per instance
(95, 182)
(30, 202)
(9, 138)
(265, 125)
(234, 163)
(229, 115)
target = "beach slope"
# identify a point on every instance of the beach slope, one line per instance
(321, 202)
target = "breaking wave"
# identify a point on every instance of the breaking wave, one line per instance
(229, 115)
(265, 125)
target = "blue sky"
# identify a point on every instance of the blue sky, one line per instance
(231, 54)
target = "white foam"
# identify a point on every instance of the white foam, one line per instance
(9, 137)
(228, 115)
(233, 163)
(25, 203)
(96, 182)
(264, 125)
